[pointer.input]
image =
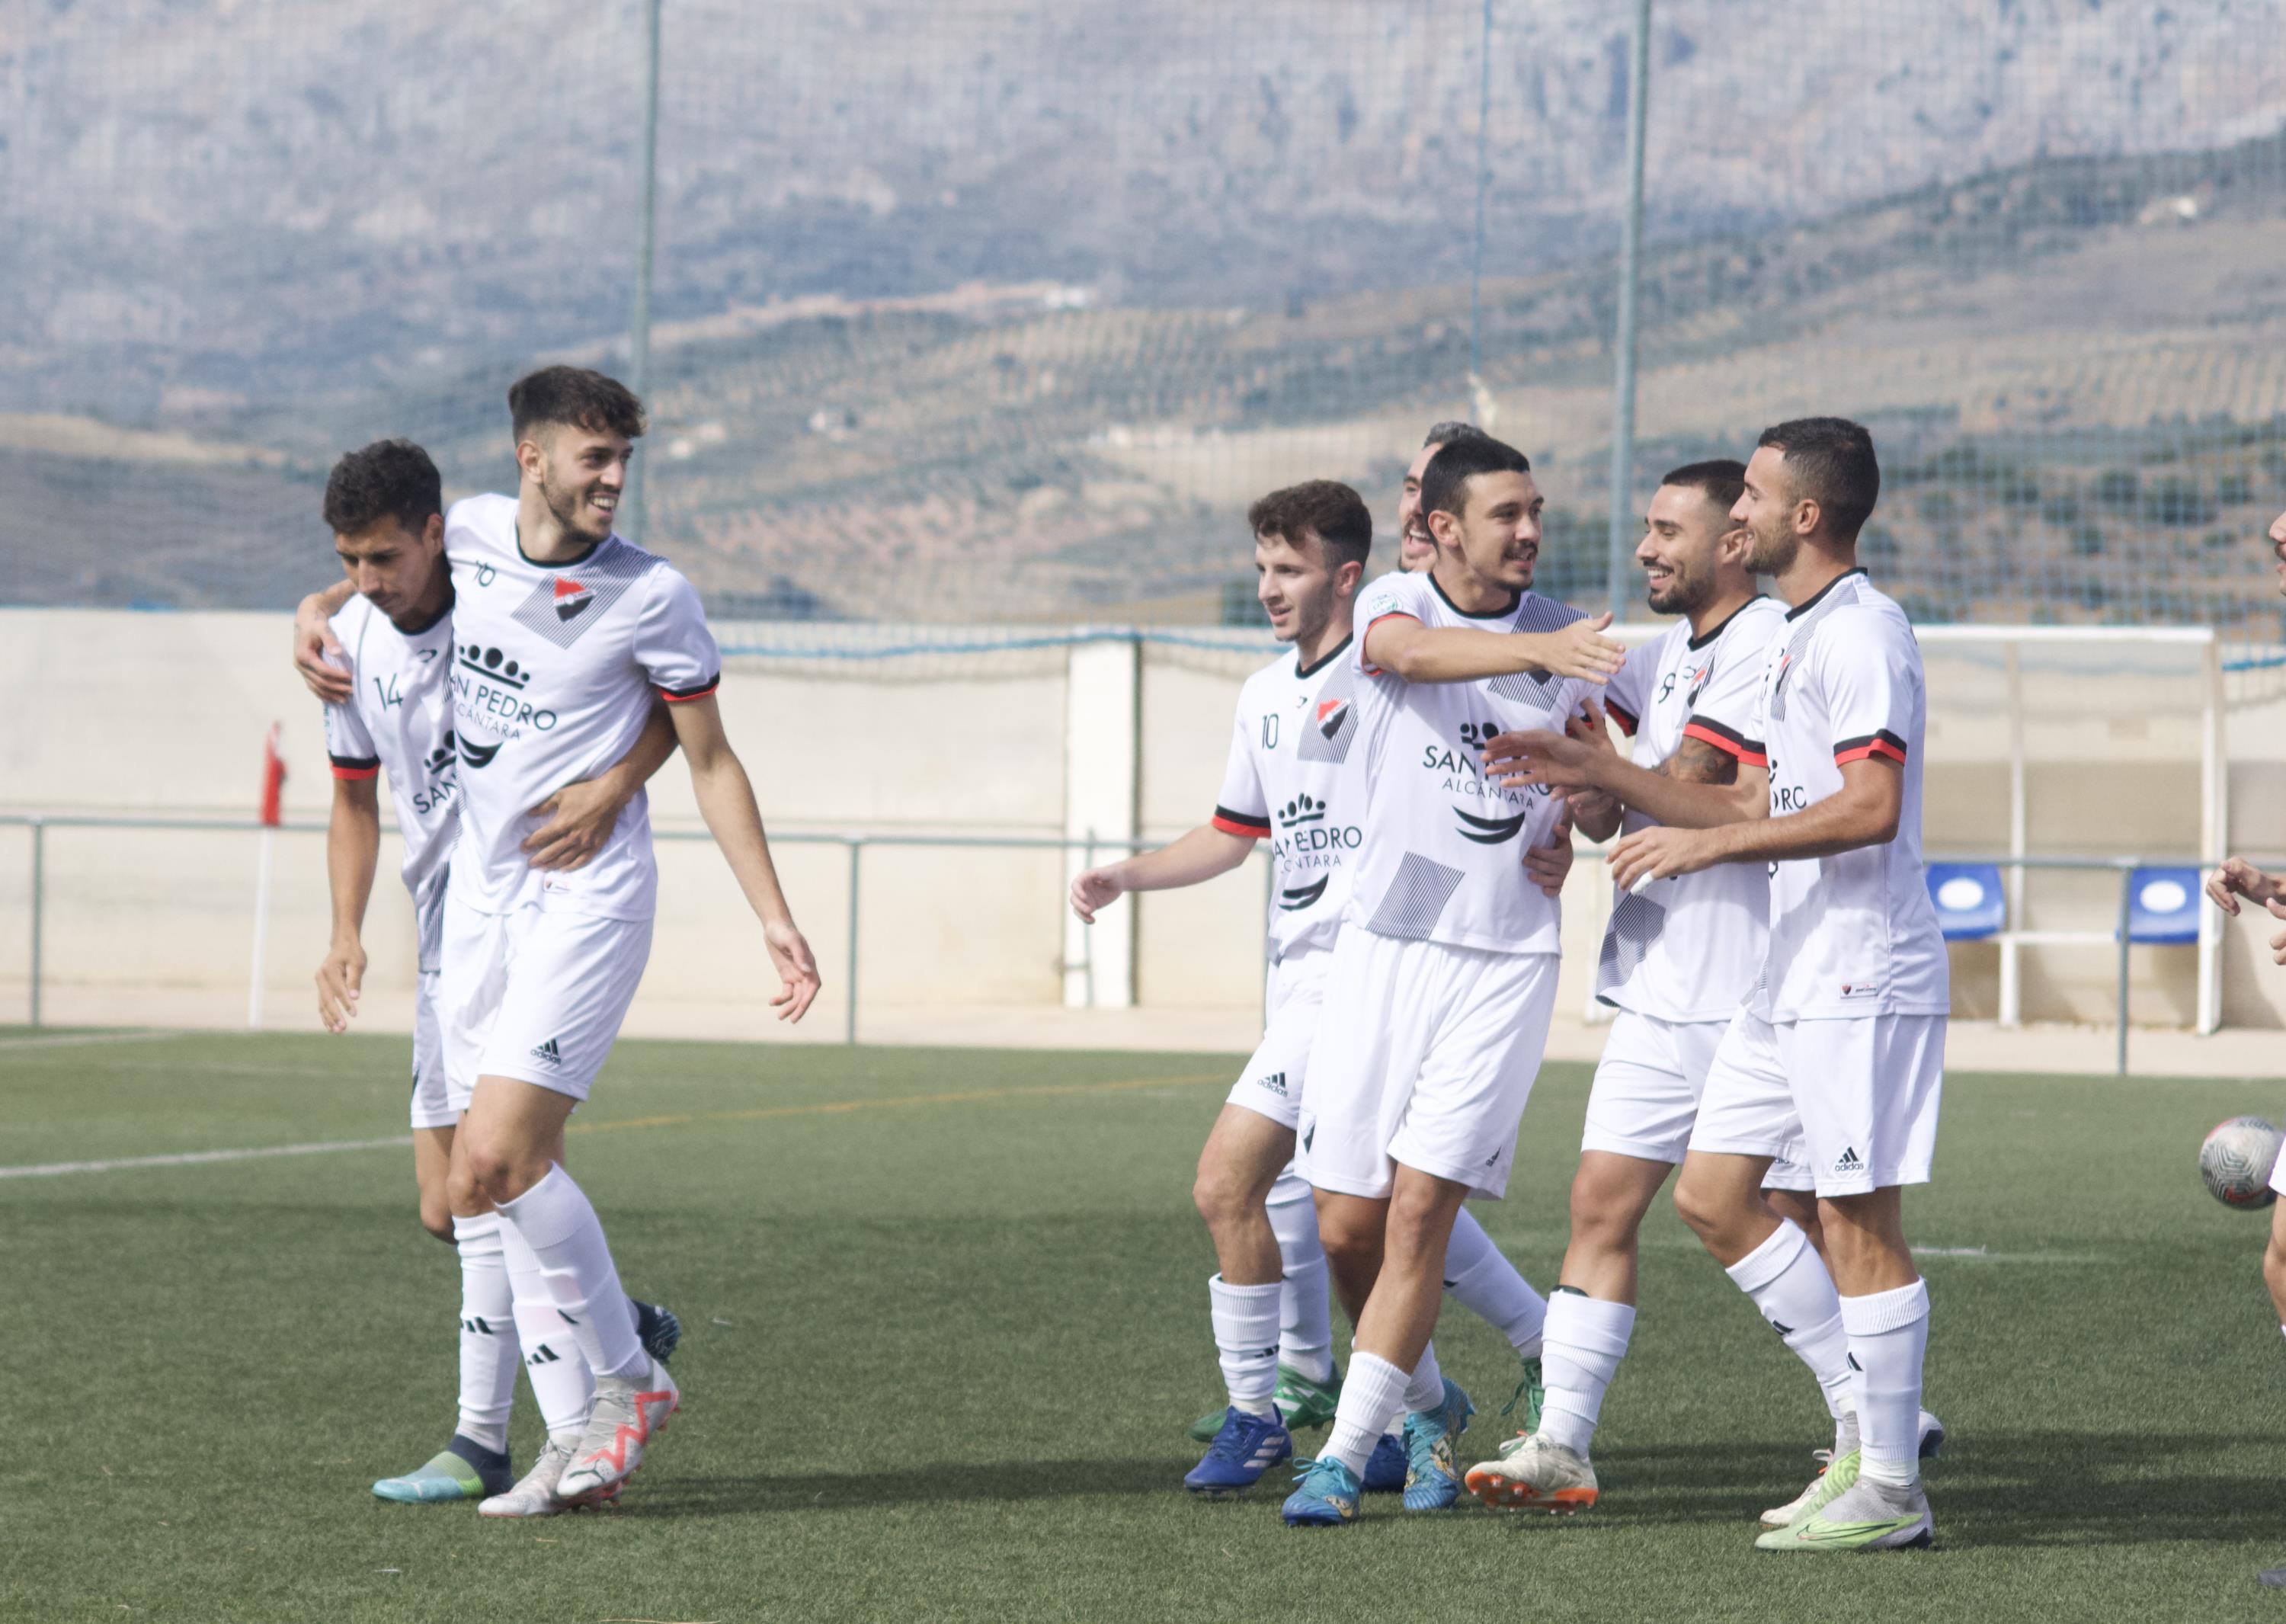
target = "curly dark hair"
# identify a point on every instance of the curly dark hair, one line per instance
(387, 480)
(1325, 508)
(576, 398)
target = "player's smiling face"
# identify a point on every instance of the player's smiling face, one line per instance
(1681, 548)
(1417, 549)
(1497, 535)
(1295, 586)
(398, 570)
(1765, 508)
(581, 474)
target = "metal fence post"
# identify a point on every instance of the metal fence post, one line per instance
(2126, 902)
(1623, 341)
(39, 902)
(856, 843)
(639, 317)
(1484, 180)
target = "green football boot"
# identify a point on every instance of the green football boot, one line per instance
(1837, 1480)
(1867, 1516)
(1531, 1392)
(1302, 1401)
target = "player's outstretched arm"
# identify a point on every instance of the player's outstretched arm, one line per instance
(1864, 811)
(726, 801)
(318, 655)
(580, 816)
(353, 853)
(1699, 787)
(1399, 643)
(1205, 852)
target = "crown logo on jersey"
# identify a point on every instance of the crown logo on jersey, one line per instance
(493, 664)
(1331, 714)
(570, 598)
(1302, 809)
(440, 758)
(1477, 735)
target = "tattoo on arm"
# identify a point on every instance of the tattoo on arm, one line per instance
(1697, 762)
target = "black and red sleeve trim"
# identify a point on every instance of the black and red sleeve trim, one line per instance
(1395, 614)
(678, 696)
(1730, 741)
(1628, 719)
(1246, 825)
(1884, 744)
(354, 767)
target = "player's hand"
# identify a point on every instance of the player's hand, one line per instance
(1549, 864)
(1591, 806)
(1581, 650)
(1536, 758)
(797, 969)
(340, 977)
(1096, 888)
(2236, 877)
(315, 649)
(1660, 853)
(580, 818)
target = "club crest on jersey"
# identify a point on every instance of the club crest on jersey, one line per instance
(570, 597)
(1331, 714)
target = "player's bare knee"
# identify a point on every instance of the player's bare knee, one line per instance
(437, 1215)
(1707, 1206)
(2273, 1271)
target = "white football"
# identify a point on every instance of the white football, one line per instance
(2237, 1160)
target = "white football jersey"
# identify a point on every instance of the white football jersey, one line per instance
(1444, 846)
(1691, 948)
(1852, 934)
(399, 717)
(1289, 782)
(555, 668)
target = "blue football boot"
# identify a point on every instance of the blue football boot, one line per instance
(1432, 1482)
(1326, 1497)
(1247, 1447)
(1386, 1469)
(657, 1328)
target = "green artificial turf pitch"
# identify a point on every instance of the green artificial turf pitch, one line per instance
(946, 1320)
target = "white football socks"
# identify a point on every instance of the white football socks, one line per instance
(1889, 1334)
(1246, 1336)
(1305, 1310)
(1484, 1281)
(488, 1338)
(1426, 1390)
(1371, 1393)
(1586, 1338)
(556, 1221)
(561, 1384)
(1787, 1282)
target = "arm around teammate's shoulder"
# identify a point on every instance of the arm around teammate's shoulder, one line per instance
(1402, 646)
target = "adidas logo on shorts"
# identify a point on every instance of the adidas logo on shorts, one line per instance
(1848, 1161)
(1275, 1081)
(545, 1052)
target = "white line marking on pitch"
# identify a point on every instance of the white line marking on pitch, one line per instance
(192, 1158)
(79, 1039)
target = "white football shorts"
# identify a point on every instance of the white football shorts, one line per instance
(432, 1105)
(1862, 1095)
(1425, 1055)
(1270, 1083)
(536, 994)
(1647, 1088)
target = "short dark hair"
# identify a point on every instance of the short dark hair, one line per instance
(1450, 429)
(1831, 459)
(387, 480)
(1326, 508)
(575, 397)
(1444, 481)
(1721, 478)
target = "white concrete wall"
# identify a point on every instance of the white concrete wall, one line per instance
(165, 713)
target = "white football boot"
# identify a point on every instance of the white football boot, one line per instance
(629, 1412)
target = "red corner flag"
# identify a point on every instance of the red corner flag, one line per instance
(274, 777)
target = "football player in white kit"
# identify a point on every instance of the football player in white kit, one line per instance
(1290, 781)
(1677, 963)
(2233, 879)
(563, 633)
(385, 506)
(1443, 975)
(1840, 1050)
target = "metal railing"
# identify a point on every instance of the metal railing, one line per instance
(855, 844)
(1086, 847)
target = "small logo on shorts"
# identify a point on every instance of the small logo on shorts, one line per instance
(1857, 989)
(545, 1052)
(1848, 1161)
(1275, 1081)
